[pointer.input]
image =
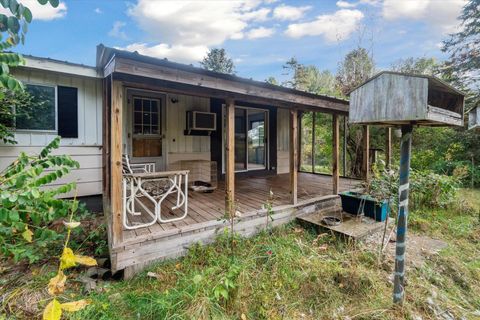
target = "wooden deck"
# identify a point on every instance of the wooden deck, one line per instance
(206, 217)
(251, 194)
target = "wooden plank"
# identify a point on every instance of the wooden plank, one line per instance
(366, 153)
(230, 158)
(203, 81)
(388, 147)
(293, 155)
(336, 154)
(116, 161)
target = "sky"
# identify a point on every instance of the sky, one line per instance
(259, 35)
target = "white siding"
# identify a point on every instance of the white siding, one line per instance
(283, 140)
(86, 148)
(180, 146)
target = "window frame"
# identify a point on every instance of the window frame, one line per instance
(160, 117)
(56, 110)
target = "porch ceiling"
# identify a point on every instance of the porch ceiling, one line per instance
(133, 68)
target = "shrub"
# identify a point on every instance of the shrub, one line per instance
(427, 189)
(28, 207)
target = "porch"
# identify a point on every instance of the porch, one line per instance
(206, 216)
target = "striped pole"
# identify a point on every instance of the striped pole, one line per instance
(405, 150)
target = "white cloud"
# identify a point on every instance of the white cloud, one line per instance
(41, 12)
(260, 32)
(117, 32)
(177, 53)
(284, 12)
(98, 11)
(332, 27)
(346, 4)
(441, 14)
(195, 23)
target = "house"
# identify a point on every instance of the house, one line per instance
(240, 134)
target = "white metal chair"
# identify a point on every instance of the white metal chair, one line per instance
(140, 181)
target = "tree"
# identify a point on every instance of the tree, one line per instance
(428, 66)
(272, 80)
(13, 28)
(218, 61)
(310, 78)
(356, 67)
(464, 48)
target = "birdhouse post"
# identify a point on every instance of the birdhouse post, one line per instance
(405, 100)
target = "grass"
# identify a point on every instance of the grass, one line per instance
(294, 273)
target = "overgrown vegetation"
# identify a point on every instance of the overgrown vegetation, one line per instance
(293, 273)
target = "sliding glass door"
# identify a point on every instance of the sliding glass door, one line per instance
(250, 139)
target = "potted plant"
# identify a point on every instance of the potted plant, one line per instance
(375, 201)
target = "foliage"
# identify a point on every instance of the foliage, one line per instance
(56, 285)
(293, 273)
(310, 78)
(218, 61)
(28, 207)
(463, 47)
(356, 68)
(272, 80)
(428, 66)
(13, 28)
(427, 189)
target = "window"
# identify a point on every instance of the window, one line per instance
(146, 116)
(42, 116)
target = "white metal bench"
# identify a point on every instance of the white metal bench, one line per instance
(140, 183)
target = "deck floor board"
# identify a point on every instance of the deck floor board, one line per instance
(250, 195)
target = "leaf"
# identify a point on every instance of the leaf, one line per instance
(27, 14)
(27, 234)
(53, 311)
(75, 305)
(85, 260)
(67, 260)
(71, 224)
(54, 3)
(56, 285)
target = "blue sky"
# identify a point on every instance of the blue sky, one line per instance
(259, 35)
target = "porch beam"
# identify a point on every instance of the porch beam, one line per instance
(336, 154)
(116, 162)
(228, 85)
(230, 158)
(293, 155)
(366, 153)
(388, 147)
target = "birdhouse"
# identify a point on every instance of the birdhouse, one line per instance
(391, 98)
(474, 118)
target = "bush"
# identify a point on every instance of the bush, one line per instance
(427, 189)
(28, 207)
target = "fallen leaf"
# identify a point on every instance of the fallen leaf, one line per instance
(243, 316)
(75, 305)
(53, 311)
(85, 260)
(153, 275)
(323, 247)
(56, 285)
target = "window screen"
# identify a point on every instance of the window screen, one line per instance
(42, 115)
(68, 112)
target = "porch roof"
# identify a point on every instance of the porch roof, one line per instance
(133, 67)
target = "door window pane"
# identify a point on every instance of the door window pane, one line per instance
(240, 139)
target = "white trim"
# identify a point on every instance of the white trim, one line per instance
(60, 67)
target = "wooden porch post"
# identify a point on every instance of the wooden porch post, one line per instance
(230, 158)
(116, 162)
(388, 147)
(366, 152)
(293, 155)
(336, 154)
